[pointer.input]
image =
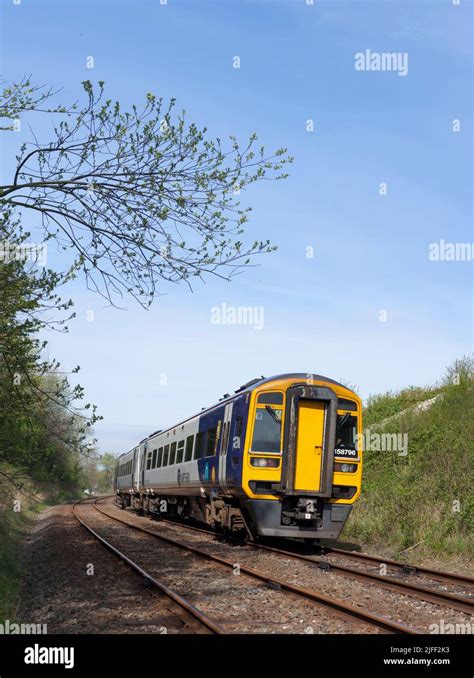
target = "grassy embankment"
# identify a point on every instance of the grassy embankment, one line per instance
(14, 521)
(424, 499)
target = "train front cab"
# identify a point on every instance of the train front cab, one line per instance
(301, 471)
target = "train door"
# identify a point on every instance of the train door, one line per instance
(309, 445)
(142, 466)
(310, 434)
(224, 445)
(135, 469)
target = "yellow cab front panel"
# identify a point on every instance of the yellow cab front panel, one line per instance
(302, 464)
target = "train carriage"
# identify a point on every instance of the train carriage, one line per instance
(278, 458)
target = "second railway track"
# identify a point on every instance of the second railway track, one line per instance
(456, 602)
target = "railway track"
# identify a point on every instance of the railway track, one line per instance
(457, 602)
(202, 619)
(336, 606)
(437, 597)
(447, 577)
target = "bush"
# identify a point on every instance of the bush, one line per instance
(426, 496)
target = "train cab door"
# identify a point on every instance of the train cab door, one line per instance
(222, 477)
(310, 433)
(309, 445)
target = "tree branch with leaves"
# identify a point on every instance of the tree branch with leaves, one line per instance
(141, 197)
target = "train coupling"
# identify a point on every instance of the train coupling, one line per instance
(306, 509)
(300, 510)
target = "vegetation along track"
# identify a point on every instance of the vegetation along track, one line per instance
(196, 614)
(341, 608)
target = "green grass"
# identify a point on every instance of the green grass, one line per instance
(13, 526)
(424, 498)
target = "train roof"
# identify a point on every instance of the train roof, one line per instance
(245, 388)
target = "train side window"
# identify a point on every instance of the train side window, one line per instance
(160, 457)
(180, 451)
(153, 463)
(238, 427)
(273, 398)
(189, 448)
(172, 453)
(198, 448)
(166, 455)
(211, 441)
(225, 437)
(148, 460)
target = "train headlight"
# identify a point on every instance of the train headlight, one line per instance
(345, 468)
(264, 462)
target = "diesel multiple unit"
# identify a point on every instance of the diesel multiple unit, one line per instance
(279, 458)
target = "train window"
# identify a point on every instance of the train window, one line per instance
(238, 427)
(148, 460)
(211, 441)
(346, 432)
(344, 404)
(172, 453)
(180, 451)
(274, 398)
(267, 430)
(199, 445)
(165, 455)
(188, 455)
(160, 457)
(153, 463)
(225, 437)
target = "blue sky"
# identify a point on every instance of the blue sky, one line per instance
(370, 251)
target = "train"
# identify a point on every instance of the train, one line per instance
(279, 457)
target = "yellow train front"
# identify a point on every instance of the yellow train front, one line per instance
(277, 458)
(302, 464)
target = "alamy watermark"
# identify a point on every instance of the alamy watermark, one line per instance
(443, 627)
(32, 252)
(238, 315)
(382, 442)
(382, 61)
(451, 251)
(8, 628)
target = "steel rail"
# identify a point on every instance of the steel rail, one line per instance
(175, 597)
(331, 603)
(444, 598)
(449, 577)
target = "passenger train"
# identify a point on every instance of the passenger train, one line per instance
(277, 458)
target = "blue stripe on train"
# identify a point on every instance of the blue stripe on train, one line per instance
(209, 466)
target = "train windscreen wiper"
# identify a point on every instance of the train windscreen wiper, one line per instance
(273, 413)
